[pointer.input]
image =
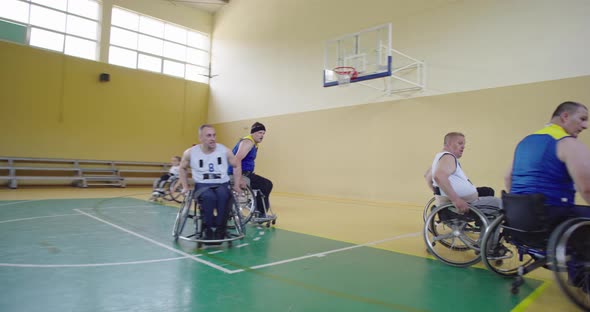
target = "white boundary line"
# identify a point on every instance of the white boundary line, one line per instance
(322, 254)
(213, 265)
(41, 217)
(22, 265)
(21, 201)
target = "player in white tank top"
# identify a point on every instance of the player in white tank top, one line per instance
(209, 162)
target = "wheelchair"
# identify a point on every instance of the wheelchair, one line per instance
(248, 208)
(452, 237)
(170, 190)
(191, 209)
(529, 243)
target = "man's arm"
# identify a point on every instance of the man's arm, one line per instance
(576, 157)
(428, 179)
(508, 178)
(444, 169)
(244, 148)
(183, 170)
(237, 170)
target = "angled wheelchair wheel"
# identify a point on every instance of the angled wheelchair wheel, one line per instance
(568, 255)
(238, 222)
(428, 208)
(500, 255)
(182, 216)
(246, 203)
(175, 190)
(454, 238)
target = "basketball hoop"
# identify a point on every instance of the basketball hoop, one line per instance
(345, 74)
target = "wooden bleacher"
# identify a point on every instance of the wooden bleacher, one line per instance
(78, 172)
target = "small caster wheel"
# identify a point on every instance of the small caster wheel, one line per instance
(499, 262)
(274, 222)
(514, 290)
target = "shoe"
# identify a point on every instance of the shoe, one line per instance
(208, 234)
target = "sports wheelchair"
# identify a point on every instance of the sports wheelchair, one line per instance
(170, 190)
(455, 238)
(248, 207)
(531, 242)
(191, 209)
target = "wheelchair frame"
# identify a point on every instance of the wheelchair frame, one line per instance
(189, 203)
(556, 255)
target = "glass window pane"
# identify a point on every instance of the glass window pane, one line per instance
(150, 63)
(80, 48)
(47, 39)
(122, 57)
(174, 68)
(57, 4)
(197, 57)
(198, 40)
(15, 10)
(174, 51)
(151, 26)
(48, 18)
(196, 73)
(82, 27)
(175, 33)
(125, 19)
(123, 38)
(150, 45)
(86, 8)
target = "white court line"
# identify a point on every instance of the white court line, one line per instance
(322, 254)
(213, 265)
(242, 245)
(41, 217)
(22, 201)
(216, 252)
(22, 265)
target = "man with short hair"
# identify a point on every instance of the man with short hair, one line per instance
(246, 151)
(209, 162)
(450, 183)
(553, 162)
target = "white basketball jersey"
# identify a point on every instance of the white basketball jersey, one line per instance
(459, 181)
(209, 168)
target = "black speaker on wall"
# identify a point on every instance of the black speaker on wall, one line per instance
(104, 77)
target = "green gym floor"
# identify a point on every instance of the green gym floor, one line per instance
(69, 249)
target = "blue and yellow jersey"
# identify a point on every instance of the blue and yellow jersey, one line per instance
(537, 169)
(248, 161)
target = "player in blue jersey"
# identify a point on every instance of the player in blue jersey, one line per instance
(553, 162)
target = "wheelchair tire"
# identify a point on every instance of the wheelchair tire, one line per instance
(182, 215)
(505, 266)
(175, 190)
(246, 204)
(236, 217)
(428, 208)
(454, 238)
(569, 259)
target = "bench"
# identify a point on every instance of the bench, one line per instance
(78, 172)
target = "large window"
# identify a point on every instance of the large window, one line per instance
(143, 42)
(68, 26)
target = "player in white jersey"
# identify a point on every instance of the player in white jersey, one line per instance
(448, 181)
(209, 162)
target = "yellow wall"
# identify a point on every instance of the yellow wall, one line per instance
(380, 151)
(52, 105)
